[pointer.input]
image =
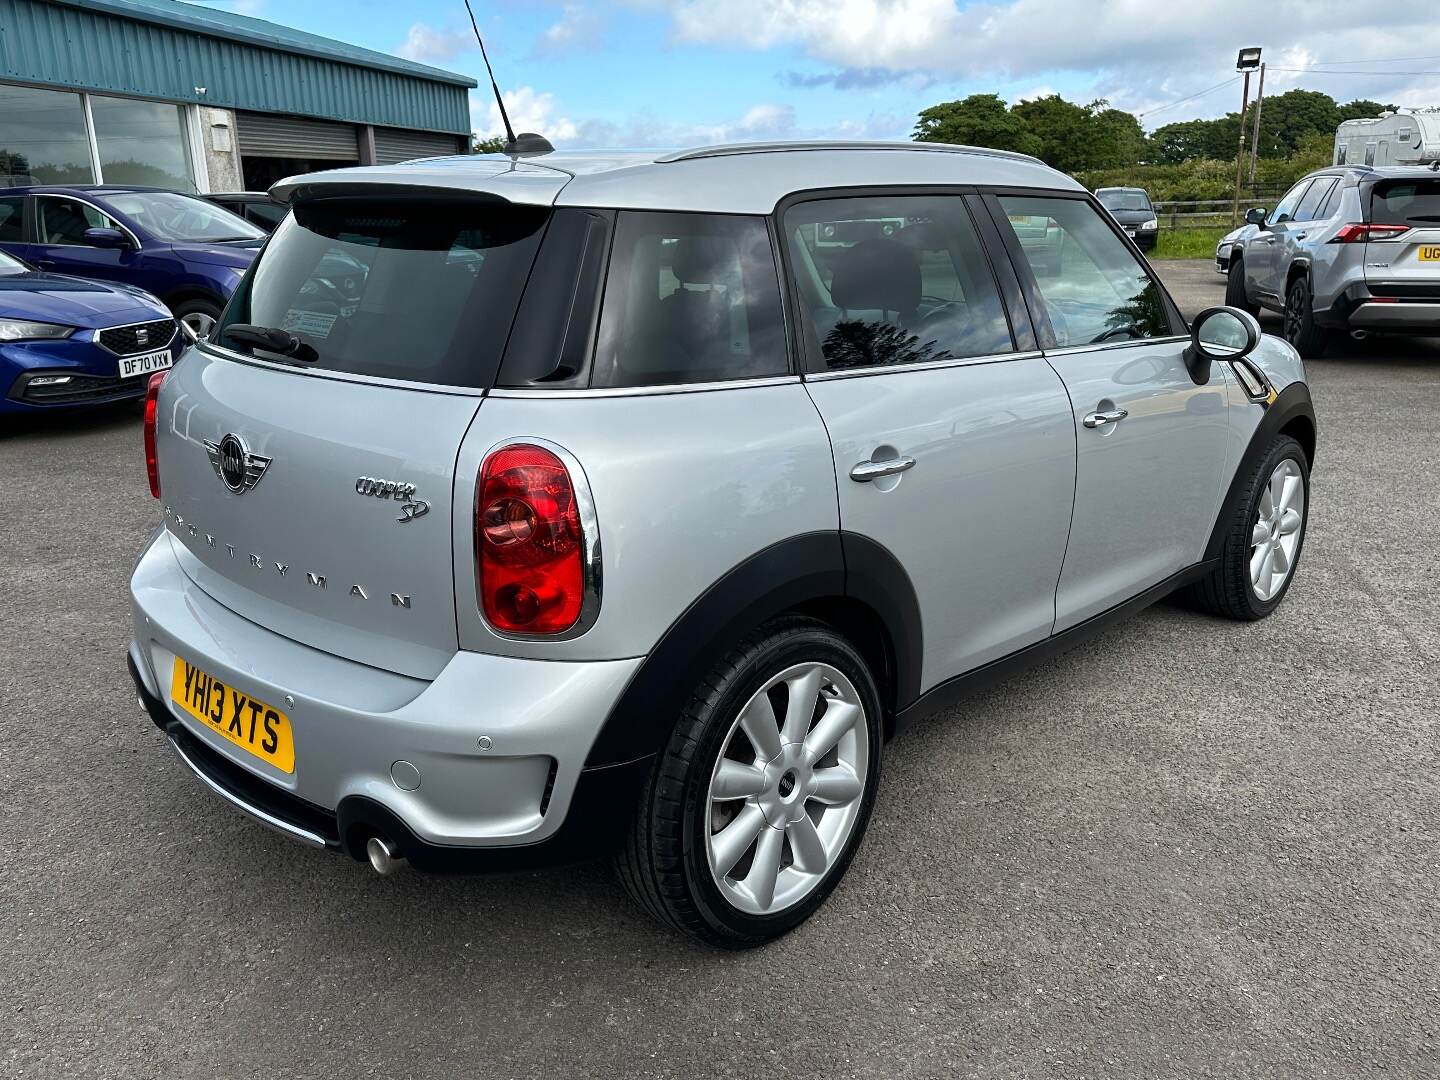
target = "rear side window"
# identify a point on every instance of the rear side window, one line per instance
(891, 280)
(1312, 204)
(423, 292)
(1406, 202)
(689, 298)
(12, 216)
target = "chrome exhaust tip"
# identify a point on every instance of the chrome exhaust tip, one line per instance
(384, 856)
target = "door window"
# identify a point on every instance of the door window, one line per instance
(1370, 153)
(887, 280)
(1309, 207)
(689, 298)
(1093, 288)
(1285, 209)
(12, 218)
(64, 221)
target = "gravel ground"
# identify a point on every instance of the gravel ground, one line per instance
(1189, 848)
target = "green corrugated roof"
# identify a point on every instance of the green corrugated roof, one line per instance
(227, 24)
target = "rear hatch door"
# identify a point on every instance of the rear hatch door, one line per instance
(1405, 250)
(308, 480)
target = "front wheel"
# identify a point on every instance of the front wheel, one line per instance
(1235, 295)
(198, 315)
(757, 804)
(1264, 537)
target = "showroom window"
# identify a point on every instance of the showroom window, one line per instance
(46, 138)
(42, 138)
(141, 142)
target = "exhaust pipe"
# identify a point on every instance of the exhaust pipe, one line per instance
(1359, 335)
(384, 856)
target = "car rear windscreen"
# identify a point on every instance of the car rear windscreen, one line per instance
(1406, 202)
(396, 289)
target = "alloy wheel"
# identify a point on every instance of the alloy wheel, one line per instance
(200, 324)
(1294, 317)
(787, 788)
(1275, 536)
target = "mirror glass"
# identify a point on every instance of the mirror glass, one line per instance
(1222, 332)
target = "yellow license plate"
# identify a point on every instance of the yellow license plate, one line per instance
(1429, 254)
(250, 724)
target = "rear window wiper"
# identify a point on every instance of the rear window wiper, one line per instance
(271, 339)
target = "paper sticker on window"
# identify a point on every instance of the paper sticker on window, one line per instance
(311, 323)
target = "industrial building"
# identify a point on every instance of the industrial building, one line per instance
(174, 95)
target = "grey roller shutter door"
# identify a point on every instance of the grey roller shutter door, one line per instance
(265, 135)
(394, 145)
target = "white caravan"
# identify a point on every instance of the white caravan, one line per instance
(1408, 137)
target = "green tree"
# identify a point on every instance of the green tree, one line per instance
(488, 146)
(978, 120)
(1362, 108)
(1067, 132)
(1191, 139)
(1120, 139)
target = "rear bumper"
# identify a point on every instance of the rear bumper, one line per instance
(1390, 308)
(518, 795)
(1412, 317)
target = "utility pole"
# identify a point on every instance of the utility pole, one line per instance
(1255, 136)
(1247, 61)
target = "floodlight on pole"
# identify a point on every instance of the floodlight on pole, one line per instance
(1247, 60)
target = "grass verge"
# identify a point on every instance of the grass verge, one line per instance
(1188, 243)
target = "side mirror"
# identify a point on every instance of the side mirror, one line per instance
(1219, 333)
(106, 238)
(1255, 215)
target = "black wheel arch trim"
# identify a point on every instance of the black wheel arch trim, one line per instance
(1291, 404)
(804, 569)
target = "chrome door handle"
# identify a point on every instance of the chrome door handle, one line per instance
(866, 471)
(1100, 419)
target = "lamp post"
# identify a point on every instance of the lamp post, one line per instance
(1245, 62)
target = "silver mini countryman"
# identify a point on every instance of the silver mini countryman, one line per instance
(560, 505)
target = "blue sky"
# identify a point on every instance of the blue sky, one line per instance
(665, 72)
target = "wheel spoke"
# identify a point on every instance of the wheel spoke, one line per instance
(735, 839)
(806, 845)
(1267, 502)
(840, 717)
(1289, 523)
(1290, 489)
(765, 867)
(761, 727)
(836, 785)
(1262, 578)
(1259, 534)
(1257, 565)
(736, 781)
(801, 705)
(1279, 562)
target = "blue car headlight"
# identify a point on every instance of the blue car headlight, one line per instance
(23, 330)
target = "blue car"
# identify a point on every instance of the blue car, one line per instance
(65, 341)
(183, 249)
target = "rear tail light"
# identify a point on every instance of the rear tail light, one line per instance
(532, 554)
(152, 403)
(1357, 233)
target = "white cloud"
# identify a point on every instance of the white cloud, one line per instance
(1127, 50)
(529, 110)
(578, 28)
(427, 44)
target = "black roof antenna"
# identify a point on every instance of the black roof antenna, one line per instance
(527, 142)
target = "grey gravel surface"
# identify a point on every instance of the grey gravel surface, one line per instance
(1190, 848)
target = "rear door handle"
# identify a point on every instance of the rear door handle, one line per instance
(866, 471)
(1100, 419)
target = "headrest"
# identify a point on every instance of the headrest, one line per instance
(703, 260)
(878, 274)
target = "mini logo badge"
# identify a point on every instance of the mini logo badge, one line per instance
(238, 469)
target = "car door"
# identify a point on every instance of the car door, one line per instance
(60, 224)
(1265, 271)
(1150, 444)
(13, 236)
(951, 435)
(1298, 234)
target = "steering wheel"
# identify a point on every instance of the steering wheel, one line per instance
(1128, 331)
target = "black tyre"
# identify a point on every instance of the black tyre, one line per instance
(1300, 328)
(198, 314)
(1263, 539)
(759, 801)
(1235, 287)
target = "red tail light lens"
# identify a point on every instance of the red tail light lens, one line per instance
(152, 402)
(1356, 233)
(529, 542)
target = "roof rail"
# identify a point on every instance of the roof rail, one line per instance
(732, 149)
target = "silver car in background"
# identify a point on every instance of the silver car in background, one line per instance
(1346, 250)
(629, 503)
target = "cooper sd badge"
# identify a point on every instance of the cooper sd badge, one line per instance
(404, 494)
(238, 469)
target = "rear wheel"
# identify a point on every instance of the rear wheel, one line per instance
(199, 315)
(1235, 295)
(1300, 328)
(757, 805)
(1263, 539)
